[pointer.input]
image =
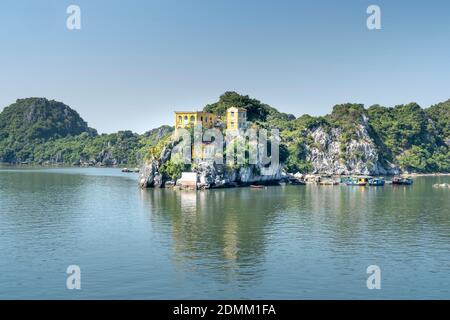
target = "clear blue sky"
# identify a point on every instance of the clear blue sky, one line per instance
(134, 62)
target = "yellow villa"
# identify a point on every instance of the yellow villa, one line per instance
(236, 118)
(184, 119)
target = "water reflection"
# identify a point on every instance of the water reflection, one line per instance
(227, 233)
(280, 242)
(227, 230)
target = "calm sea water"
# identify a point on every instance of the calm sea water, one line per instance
(293, 242)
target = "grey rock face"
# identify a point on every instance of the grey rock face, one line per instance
(212, 175)
(158, 181)
(207, 173)
(259, 173)
(147, 174)
(329, 154)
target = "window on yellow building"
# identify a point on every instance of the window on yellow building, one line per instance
(192, 118)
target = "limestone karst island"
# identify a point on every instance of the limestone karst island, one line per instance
(352, 144)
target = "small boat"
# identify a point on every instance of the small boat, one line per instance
(407, 181)
(126, 170)
(437, 185)
(402, 181)
(376, 182)
(360, 182)
(356, 183)
(345, 179)
(256, 186)
(441, 185)
(297, 182)
(328, 183)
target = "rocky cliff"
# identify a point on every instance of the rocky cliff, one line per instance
(154, 172)
(331, 154)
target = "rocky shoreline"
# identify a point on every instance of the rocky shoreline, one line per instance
(211, 176)
(208, 175)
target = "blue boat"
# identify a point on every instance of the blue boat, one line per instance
(376, 182)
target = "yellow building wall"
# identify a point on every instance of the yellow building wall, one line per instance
(232, 121)
(236, 118)
(190, 119)
(208, 119)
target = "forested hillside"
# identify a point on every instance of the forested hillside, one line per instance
(41, 131)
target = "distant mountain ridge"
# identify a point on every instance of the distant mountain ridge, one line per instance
(39, 118)
(42, 131)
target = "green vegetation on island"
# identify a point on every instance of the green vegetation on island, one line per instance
(36, 130)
